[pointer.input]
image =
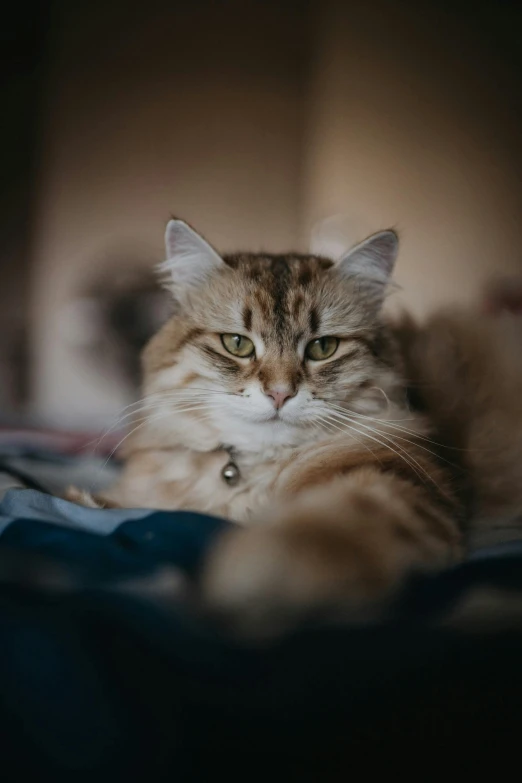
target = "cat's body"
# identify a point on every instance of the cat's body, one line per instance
(284, 366)
(466, 369)
(176, 461)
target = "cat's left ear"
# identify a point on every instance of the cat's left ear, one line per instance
(371, 262)
(190, 259)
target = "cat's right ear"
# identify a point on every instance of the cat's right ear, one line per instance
(190, 260)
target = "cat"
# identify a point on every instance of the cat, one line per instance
(276, 397)
(352, 450)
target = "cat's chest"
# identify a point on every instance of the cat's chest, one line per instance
(226, 483)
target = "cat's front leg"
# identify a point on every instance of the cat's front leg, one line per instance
(341, 550)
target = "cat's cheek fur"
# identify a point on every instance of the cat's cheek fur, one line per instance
(341, 550)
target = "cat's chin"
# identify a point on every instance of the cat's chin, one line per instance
(256, 435)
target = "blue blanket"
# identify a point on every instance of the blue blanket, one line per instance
(104, 675)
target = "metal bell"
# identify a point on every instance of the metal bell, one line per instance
(230, 473)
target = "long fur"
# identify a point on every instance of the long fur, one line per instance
(378, 463)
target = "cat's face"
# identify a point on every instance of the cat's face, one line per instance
(267, 344)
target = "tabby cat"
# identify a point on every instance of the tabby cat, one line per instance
(279, 397)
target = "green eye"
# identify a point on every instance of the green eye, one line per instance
(238, 345)
(321, 348)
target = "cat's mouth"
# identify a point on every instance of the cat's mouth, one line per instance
(276, 416)
(285, 418)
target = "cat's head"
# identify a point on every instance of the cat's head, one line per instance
(262, 346)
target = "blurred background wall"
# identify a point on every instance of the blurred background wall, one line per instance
(412, 121)
(254, 121)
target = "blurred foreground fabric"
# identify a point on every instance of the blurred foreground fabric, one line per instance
(109, 672)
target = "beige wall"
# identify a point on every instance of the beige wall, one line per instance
(152, 113)
(408, 129)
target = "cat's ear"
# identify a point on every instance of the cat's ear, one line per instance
(371, 263)
(190, 259)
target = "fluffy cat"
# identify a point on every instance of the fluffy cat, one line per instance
(277, 396)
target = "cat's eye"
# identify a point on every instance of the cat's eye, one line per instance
(238, 345)
(321, 348)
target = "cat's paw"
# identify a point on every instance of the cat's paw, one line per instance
(81, 497)
(84, 498)
(338, 553)
(262, 582)
(311, 564)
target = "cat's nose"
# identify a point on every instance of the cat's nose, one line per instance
(279, 395)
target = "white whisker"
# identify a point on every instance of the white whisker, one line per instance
(147, 420)
(328, 420)
(399, 450)
(156, 400)
(395, 448)
(414, 435)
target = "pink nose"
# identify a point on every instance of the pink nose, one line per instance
(279, 396)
